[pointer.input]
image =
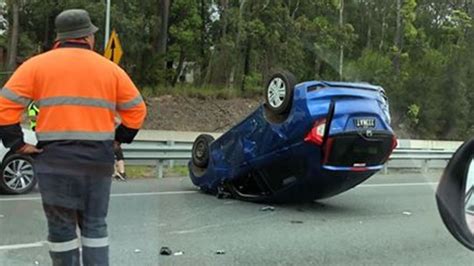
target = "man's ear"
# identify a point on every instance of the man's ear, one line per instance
(91, 41)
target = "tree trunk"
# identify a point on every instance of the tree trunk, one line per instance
(237, 44)
(14, 31)
(382, 33)
(341, 52)
(317, 68)
(180, 68)
(369, 26)
(164, 17)
(204, 61)
(398, 38)
(224, 6)
(248, 49)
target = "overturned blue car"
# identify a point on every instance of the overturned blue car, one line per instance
(308, 141)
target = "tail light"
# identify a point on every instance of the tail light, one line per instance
(316, 135)
(394, 142)
(394, 145)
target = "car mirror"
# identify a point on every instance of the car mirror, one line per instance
(469, 198)
(455, 195)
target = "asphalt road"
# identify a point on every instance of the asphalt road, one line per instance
(389, 220)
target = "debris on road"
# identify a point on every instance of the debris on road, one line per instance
(137, 251)
(37, 262)
(2, 216)
(407, 213)
(165, 251)
(267, 208)
(220, 252)
(296, 222)
(222, 193)
(178, 253)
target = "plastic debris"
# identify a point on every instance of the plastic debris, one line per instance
(137, 250)
(220, 252)
(37, 262)
(165, 251)
(407, 213)
(178, 253)
(296, 222)
(267, 208)
(2, 216)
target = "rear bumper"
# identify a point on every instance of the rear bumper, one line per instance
(358, 151)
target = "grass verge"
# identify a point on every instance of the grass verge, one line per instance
(138, 172)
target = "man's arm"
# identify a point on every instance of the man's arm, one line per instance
(130, 107)
(14, 98)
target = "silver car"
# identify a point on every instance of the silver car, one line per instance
(17, 175)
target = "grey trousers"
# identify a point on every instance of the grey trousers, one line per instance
(76, 196)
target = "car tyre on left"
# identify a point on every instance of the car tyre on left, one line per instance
(17, 175)
(201, 150)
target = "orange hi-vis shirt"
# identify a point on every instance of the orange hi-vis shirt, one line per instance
(78, 93)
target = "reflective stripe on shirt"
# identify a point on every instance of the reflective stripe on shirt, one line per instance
(12, 96)
(79, 101)
(75, 135)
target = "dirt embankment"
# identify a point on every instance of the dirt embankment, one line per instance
(179, 113)
(197, 114)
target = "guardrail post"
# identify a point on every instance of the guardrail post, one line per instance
(171, 144)
(425, 166)
(159, 168)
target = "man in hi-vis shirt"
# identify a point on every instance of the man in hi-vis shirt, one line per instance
(78, 92)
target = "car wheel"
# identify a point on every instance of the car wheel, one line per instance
(201, 151)
(17, 174)
(279, 92)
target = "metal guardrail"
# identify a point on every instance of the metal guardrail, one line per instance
(156, 153)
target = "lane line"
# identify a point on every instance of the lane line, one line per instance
(162, 193)
(114, 195)
(399, 184)
(23, 246)
(165, 193)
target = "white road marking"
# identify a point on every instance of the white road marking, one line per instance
(399, 184)
(23, 246)
(162, 193)
(165, 193)
(20, 199)
(114, 195)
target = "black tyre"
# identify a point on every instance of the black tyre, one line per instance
(201, 150)
(279, 92)
(17, 175)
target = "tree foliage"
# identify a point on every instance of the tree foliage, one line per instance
(425, 62)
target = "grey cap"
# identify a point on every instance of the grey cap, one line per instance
(74, 23)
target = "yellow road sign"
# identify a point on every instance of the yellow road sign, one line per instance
(114, 51)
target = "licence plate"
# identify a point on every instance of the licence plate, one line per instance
(364, 122)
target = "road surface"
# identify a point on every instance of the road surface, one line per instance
(389, 220)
